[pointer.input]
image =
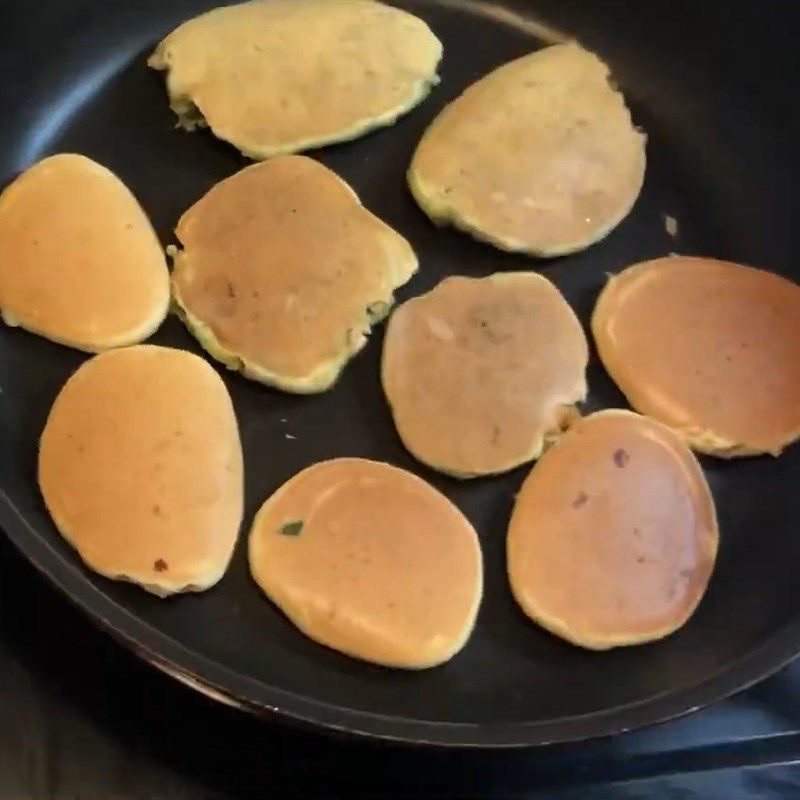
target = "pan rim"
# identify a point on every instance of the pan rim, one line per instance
(223, 684)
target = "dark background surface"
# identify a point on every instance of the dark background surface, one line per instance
(83, 719)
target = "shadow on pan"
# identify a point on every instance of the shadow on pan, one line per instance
(723, 162)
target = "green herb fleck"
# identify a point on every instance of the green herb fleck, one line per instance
(293, 528)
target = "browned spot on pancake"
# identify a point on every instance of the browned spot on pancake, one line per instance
(580, 500)
(621, 458)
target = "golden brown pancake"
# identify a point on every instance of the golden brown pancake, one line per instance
(81, 263)
(481, 372)
(140, 466)
(710, 348)
(283, 272)
(370, 560)
(280, 76)
(614, 534)
(540, 156)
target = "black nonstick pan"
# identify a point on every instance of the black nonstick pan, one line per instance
(714, 84)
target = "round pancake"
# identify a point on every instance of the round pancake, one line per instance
(140, 466)
(283, 272)
(710, 348)
(370, 560)
(81, 263)
(481, 372)
(614, 535)
(540, 156)
(280, 76)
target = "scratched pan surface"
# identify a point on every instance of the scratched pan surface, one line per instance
(713, 84)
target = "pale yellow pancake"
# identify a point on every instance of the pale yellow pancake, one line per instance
(140, 466)
(614, 535)
(710, 348)
(370, 560)
(81, 264)
(540, 156)
(280, 76)
(481, 373)
(283, 272)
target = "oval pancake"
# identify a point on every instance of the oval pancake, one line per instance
(283, 272)
(613, 536)
(140, 467)
(708, 347)
(540, 156)
(370, 560)
(280, 76)
(481, 372)
(81, 263)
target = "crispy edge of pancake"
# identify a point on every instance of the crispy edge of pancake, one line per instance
(166, 587)
(190, 116)
(444, 214)
(302, 622)
(702, 440)
(564, 417)
(131, 337)
(321, 379)
(563, 630)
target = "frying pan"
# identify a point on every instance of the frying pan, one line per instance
(714, 85)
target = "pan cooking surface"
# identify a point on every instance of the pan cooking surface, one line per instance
(722, 161)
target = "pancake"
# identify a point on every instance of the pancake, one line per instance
(283, 272)
(370, 560)
(140, 467)
(81, 263)
(614, 535)
(540, 156)
(481, 372)
(710, 348)
(280, 76)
